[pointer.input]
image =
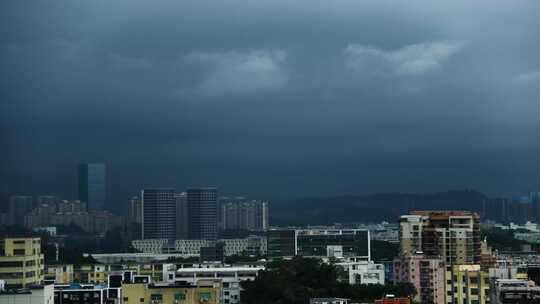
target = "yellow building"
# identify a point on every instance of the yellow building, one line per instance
(160, 293)
(60, 274)
(466, 284)
(21, 262)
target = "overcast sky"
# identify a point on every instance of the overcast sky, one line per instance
(271, 98)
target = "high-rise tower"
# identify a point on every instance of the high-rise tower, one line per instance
(93, 185)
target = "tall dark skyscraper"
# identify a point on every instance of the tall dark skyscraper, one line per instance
(159, 214)
(93, 185)
(182, 216)
(202, 210)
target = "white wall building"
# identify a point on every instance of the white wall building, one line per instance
(363, 272)
(35, 295)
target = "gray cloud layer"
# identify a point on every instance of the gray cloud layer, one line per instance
(271, 98)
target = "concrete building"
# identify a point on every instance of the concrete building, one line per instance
(206, 291)
(159, 214)
(21, 262)
(243, 214)
(319, 243)
(363, 272)
(202, 210)
(466, 284)
(230, 278)
(425, 273)
(39, 294)
(452, 235)
(93, 185)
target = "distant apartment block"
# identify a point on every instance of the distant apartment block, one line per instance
(243, 214)
(19, 206)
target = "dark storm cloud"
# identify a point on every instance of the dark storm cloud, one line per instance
(271, 98)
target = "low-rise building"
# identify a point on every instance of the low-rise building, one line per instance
(230, 277)
(21, 262)
(206, 291)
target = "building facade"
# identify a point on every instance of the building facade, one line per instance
(21, 262)
(202, 210)
(93, 185)
(159, 214)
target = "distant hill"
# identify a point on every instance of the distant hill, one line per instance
(369, 208)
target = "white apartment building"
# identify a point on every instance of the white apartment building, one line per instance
(363, 272)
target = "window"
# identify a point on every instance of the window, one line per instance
(19, 252)
(141, 300)
(11, 264)
(126, 299)
(156, 296)
(179, 296)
